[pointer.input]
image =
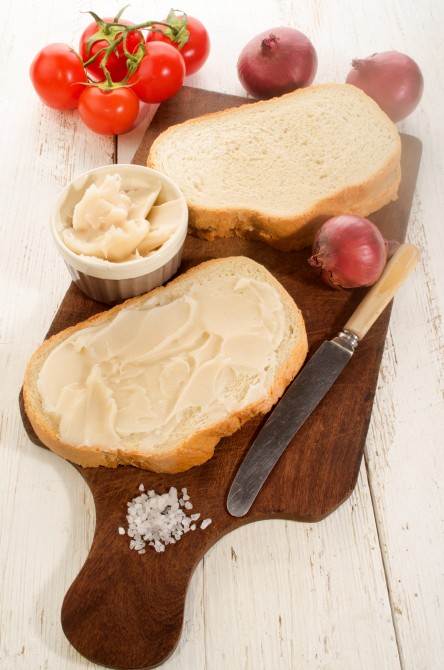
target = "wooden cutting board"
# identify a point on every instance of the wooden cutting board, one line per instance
(125, 610)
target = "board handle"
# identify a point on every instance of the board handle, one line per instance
(395, 273)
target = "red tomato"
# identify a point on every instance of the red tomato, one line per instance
(116, 64)
(160, 73)
(57, 74)
(195, 51)
(108, 112)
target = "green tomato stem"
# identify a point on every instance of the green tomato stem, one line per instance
(116, 33)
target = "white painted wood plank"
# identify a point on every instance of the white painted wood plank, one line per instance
(46, 513)
(404, 448)
(406, 471)
(292, 595)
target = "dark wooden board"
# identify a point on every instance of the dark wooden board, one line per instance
(125, 610)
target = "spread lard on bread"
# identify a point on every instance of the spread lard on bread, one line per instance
(157, 381)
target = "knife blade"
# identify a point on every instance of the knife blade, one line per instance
(312, 383)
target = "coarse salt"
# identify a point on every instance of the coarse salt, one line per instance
(157, 520)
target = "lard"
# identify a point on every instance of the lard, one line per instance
(119, 225)
(161, 369)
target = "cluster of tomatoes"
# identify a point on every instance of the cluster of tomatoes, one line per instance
(120, 64)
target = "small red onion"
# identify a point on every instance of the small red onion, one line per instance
(392, 79)
(350, 251)
(275, 62)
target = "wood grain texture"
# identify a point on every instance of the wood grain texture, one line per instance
(361, 589)
(317, 472)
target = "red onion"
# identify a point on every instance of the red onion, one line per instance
(350, 251)
(392, 79)
(275, 62)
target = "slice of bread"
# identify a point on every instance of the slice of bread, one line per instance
(274, 170)
(157, 381)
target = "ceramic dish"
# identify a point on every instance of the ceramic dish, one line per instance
(108, 281)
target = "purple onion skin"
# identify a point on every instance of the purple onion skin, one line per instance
(277, 61)
(392, 79)
(349, 252)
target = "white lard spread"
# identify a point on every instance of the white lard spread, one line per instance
(117, 225)
(167, 367)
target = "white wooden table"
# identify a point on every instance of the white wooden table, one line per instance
(364, 589)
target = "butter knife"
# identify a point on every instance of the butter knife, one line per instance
(313, 382)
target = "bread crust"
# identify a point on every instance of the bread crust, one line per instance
(199, 447)
(291, 232)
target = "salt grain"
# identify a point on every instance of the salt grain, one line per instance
(158, 520)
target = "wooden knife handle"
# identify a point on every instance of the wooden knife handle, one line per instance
(396, 271)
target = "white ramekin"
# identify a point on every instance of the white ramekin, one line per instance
(111, 282)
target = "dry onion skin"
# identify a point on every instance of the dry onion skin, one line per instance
(275, 62)
(392, 79)
(350, 252)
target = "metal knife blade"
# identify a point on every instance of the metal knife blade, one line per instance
(296, 405)
(313, 382)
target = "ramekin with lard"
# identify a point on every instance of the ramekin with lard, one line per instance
(120, 230)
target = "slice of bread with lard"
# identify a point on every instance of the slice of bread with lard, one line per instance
(157, 381)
